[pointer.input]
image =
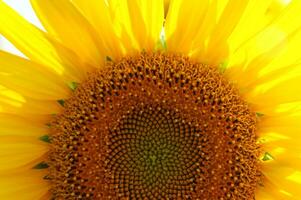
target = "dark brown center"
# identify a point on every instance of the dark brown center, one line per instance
(155, 126)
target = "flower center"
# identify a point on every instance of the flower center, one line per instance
(155, 126)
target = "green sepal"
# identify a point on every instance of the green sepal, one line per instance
(258, 114)
(267, 156)
(47, 177)
(108, 58)
(45, 138)
(48, 125)
(223, 66)
(61, 102)
(41, 165)
(73, 85)
(161, 43)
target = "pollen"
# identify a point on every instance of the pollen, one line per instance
(155, 126)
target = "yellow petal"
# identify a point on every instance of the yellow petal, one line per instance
(13, 125)
(25, 185)
(282, 124)
(290, 157)
(138, 23)
(184, 21)
(14, 103)
(29, 106)
(17, 152)
(30, 79)
(32, 42)
(98, 14)
(217, 45)
(278, 62)
(270, 191)
(253, 21)
(277, 175)
(285, 91)
(62, 20)
(268, 34)
(146, 21)
(285, 153)
(121, 23)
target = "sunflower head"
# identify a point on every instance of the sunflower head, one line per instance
(151, 100)
(155, 125)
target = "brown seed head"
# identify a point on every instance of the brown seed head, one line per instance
(155, 126)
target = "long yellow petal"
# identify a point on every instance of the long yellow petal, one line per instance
(185, 19)
(17, 152)
(98, 14)
(30, 106)
(280, 61)
(285, 91)
(121, 22)
(217, 51)
(33, 42)
(284, 155)
(283, 124)
(25, 185)
(30, 79)
(252, 22)
(138, 23)
(24, 127)
(62, 20)
(268, 33)
(146, 21)
(278, 176)
(270, 191)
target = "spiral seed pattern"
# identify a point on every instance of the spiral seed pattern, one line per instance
(155, 126)
(154, 154)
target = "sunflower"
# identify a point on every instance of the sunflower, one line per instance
(152, 100)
